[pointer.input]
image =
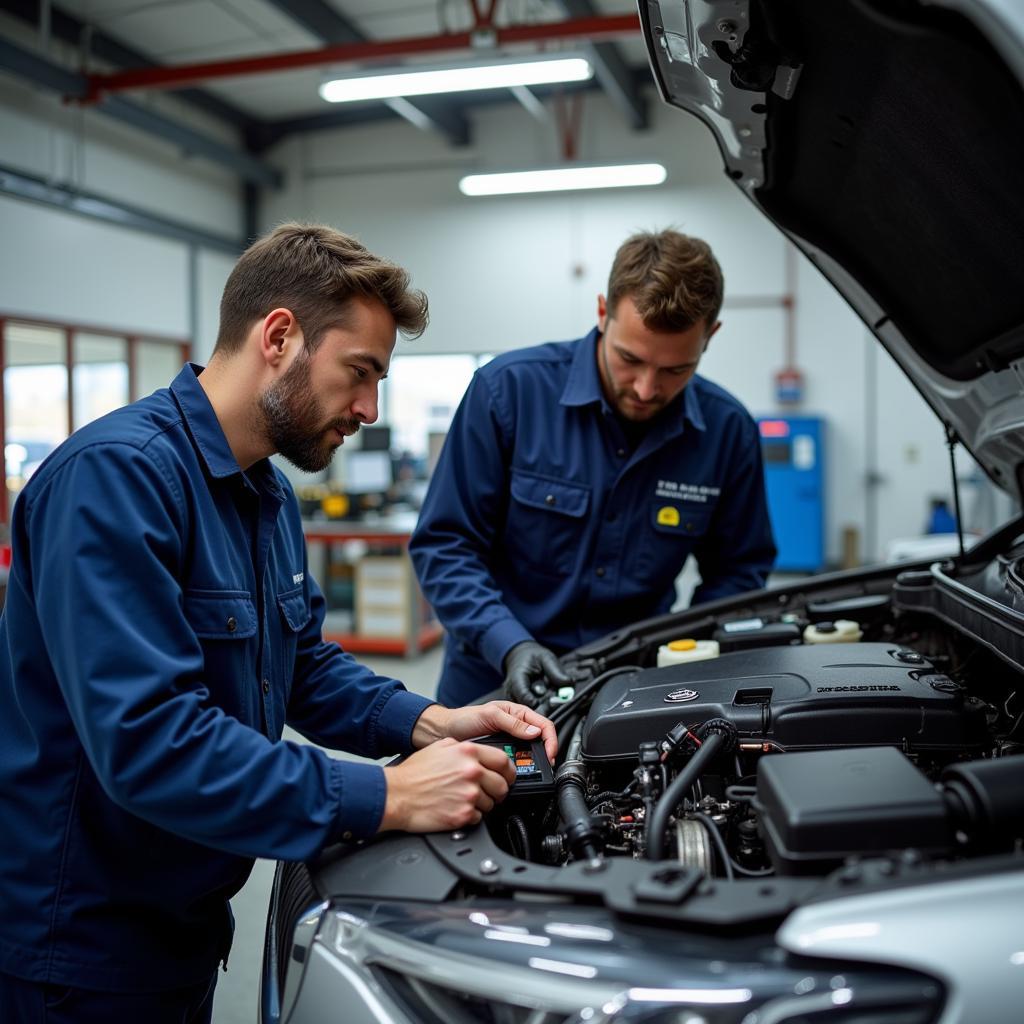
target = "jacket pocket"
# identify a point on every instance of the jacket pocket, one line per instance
(221, 614)
(294, 609)
(681, 520)
(673, 530)
(225, 623)
(295, 615)
(546, 521)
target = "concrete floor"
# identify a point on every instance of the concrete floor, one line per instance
(236, 1001)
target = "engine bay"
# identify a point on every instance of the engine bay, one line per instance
(780, 743)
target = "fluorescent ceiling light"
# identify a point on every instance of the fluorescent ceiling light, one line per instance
(459, 79)
(562, 179)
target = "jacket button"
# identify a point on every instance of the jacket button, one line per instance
(266, 686)
(232, 624)
(549, 500)
(621, 453)
(600, 570)
(346, 835)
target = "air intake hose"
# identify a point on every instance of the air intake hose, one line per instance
(986, 799)
(584, 839)
(718, 734)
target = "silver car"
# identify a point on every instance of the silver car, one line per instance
(806, 803)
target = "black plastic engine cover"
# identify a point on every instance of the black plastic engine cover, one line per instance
(811, 697)
(820, 807)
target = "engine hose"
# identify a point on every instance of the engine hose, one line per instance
(518, 836)
(986, 798)
(565, 732)
(584, 838)
(716, 739)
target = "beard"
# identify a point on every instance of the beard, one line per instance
(292, 419)
(630, 408)
(622, 398)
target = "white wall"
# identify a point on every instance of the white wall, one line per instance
(213, 270)
(57, 265)
(81, 147)
(500, 272)
(506, 272)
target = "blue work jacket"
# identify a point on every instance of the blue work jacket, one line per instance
(160, 628)
(541, 521)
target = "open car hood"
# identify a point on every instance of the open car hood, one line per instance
(885, 138)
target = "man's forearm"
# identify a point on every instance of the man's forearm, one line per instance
(432, 725)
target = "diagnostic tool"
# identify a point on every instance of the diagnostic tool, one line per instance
(533, 770)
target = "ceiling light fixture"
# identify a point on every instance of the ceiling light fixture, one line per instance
(562, 179)
(456, 79)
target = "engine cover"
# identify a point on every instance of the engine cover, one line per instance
(808, 697)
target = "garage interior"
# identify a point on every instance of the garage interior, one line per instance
(145, 143)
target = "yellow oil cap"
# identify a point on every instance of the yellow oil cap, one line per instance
(682, 645)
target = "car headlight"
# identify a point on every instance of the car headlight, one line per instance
(364, 969)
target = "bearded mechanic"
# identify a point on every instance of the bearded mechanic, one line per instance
(577, 478)
(161, 627)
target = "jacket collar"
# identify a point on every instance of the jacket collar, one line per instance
(208, 435)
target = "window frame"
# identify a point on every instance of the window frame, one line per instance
(69, 331)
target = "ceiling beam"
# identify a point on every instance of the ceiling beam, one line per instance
(170, 76)
(611, 70)
(20, 185)
(46, 73)
(330, 26)
(92, 40)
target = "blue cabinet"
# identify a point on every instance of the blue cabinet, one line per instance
(794, 468)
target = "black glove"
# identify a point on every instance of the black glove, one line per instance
(526, 666)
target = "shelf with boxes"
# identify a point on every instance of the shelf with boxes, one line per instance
(374, 603)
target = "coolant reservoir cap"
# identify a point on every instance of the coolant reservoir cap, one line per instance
(826, 627)
(682, 645)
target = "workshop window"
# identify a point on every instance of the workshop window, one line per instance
(423, 393)
(58, 377)
(99, 376)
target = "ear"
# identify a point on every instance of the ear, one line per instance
(280, 337)
(602, 313)
(710, 334)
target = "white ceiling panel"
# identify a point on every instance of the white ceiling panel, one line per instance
(269, 21)
(181, 31)
(283, 94)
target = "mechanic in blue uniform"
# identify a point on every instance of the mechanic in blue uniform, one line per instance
(161, 627)
(578, 476)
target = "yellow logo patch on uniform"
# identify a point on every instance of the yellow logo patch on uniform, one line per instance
(668, 516)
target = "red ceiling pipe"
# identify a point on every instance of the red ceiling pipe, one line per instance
(596, 28)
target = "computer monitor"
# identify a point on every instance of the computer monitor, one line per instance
(367, 472)
(375, 439)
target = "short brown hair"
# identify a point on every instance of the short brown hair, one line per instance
(314, 271)
(674, 280)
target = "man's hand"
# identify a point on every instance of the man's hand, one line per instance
(482, 719)
(526, 664)
(444, 786)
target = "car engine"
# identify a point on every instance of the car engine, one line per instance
(780, 748)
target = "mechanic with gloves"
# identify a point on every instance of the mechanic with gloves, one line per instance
(578, 476)
(160, 629)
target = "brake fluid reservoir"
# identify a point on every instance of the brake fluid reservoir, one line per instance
(842, 631)
(675, 652)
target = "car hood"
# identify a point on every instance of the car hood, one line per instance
(885, 138)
